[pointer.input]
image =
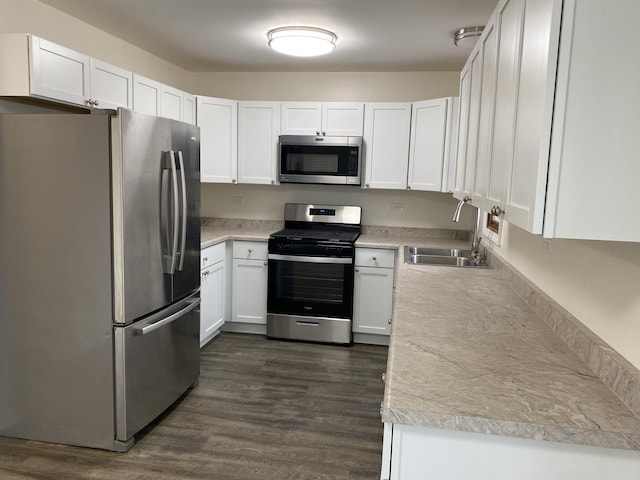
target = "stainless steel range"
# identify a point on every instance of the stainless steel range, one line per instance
(311, 268)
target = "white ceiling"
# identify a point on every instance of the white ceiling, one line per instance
(230, 35)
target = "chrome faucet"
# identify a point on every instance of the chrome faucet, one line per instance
(456, 214)
(476, 239)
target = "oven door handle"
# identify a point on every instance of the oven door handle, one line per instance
(302, 258)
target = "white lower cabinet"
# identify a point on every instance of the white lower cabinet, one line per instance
(373, 291)
(249, 291)
(416, 453)
(212, 291)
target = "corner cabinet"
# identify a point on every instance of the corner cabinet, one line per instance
(249, 291)
(433, 132)
(212, 292)
(373, 291)
(387, 129)
(258, 130)
(218, 122)
(316, 118)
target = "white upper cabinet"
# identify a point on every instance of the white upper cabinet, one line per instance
(218, 122)
(111, 86)
(147, 95)
(171, 102)
(315, 118)
(386, 139)
(188, 108)
(463, 132)
(557, 139)
(509, 20)
(32, 66)
(431, 131)
(342, 119)
(59, 72)
(258, 131)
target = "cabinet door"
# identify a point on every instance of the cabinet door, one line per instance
(342, 119)
(249, 291)
(188, 108)
(171, 102)
(427, 145)
(218, 122)
(212, 294)
(475, 94)
(146, 95)
(111, 86)
(451, 142)
(488, 51)
(257, 142)
(59, 73)
(527, 183)
(300, 118)
(372, 300)
(463, 132)
(509, 22)
(386, 137)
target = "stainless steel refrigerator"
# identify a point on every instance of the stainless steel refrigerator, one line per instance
(99, 274)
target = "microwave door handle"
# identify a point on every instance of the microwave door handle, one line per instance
(183, 224)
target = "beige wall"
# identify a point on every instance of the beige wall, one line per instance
(31, 16)
(596, 281)
(379, 207)
(327, 86)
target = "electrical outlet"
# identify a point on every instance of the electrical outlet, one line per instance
(237, 200)
(397, 207)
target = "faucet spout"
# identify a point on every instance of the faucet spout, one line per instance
(458, 210)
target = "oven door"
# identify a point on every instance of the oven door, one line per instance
(310, 286)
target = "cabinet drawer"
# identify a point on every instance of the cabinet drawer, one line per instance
(211, 255)
(250, 250)
(375, 257)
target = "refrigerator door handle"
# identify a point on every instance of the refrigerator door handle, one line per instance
(183, 239)
(170, 266)
(165, 321)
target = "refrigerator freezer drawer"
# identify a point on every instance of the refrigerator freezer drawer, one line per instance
(156, 360)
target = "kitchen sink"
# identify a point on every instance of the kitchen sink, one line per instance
(441, 256)
(440, 252)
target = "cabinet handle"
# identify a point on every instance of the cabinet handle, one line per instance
(381, 407)
(367, 185)
(250, 251)
(408, 187)
(357, 269)
(384, 377)
(273, 182)
(96, 103)
(375, 259)
(324, 133)
(233, 180)
(317, 133)
(389, 321)
(205, 259)
(266, 263)
(497, 211)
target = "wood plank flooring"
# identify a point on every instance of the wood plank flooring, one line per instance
(264, 409)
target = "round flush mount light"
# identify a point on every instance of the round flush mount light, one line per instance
(466, 37)
(302, 41)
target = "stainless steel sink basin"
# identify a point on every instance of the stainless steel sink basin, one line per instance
(441, 252)
(440, 256)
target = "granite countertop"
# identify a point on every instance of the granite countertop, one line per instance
(468, 353)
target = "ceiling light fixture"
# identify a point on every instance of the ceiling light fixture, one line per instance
(302, 41)
(466, 37)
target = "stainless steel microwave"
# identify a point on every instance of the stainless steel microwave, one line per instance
(321, 159)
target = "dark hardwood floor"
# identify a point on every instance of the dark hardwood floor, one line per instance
(264, 409)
